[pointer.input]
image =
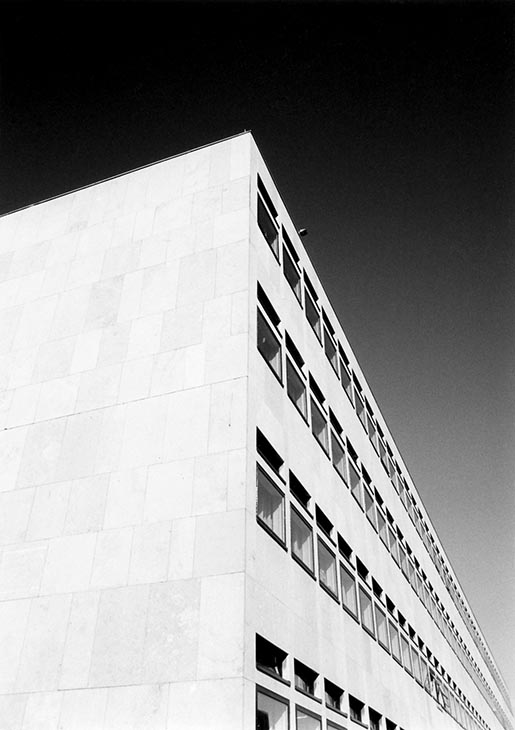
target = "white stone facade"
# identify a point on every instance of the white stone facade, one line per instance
(134, 575)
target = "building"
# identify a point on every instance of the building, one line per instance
(204, 520)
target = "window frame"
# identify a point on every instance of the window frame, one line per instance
(346, 607)
(265, 205)
(273, 328)
(281, 540)
(273, 696)
(309, 568)
(291, 256)
(363, 592)
(324, 585)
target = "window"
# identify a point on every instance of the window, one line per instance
(267, 218)
(382, 631)
(312, 310)
(327, 568)
(365, 609)
(301, 539)
(338, 454)
(417, 670)
(403, 560)
(305, 678)
(268, 453)
(306, 720)
(298, 491)
(362, 570)
(324, 523)
(370, 508)
(394, 641)
(345, 373)
(296, 388)
(333, 695)
(390, 725)
(269, 658)
(344, 548)
(359, 402)
(334, 726)
(381, 527)
(371, 427)
(375, 719)
(272, 711)
(354, 479)
(291, 266)
(269, 345)
(394, 549)
(349, 597)
(330, 344)
(356, 709)
(270, 505)
(406, 654)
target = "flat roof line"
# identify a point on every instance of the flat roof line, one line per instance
(127, 172)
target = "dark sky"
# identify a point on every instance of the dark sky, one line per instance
(388, 128)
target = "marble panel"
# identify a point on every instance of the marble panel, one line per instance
(221, 635)
(41, 453)
(182, 549)
(126, 498)
(219, 543)
(145, 337)
(103, 303)
(187, 424)
(83, 709)
(210, 483)
(119, 636)
(112, 558)
(54, 359)
(193, 705)
(171, 639)
(15, 509)
(42, 711)
(136, 379)
(21, 569)
(86, 505)
(68, 564)
(228, 415)
(142, 707)
(169, 491)
(182, 327)
(44, 642)
(150, 552)
(49, 510)
(79, 640)
(13, 622)
(145, 423)
(197, 278)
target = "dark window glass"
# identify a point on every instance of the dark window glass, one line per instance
(370, 507)
(301, 539)
(381, 527)
(305, 678)
(372, 431)
(360, 407)
(327, 568)
(394, 641)
(382, 630)
(271, 713)
(333, 695)
(417, 670)
(268, 227)
(355, 482)
(296, 388)
(375, 719)
(349, 597)
(356, 709)
(291, 273)
(346, 379)
(269, 345)
(319, 426)
(306, 720)
(330, 350)
(270, 504)
(394, 547)
(269, 657)
(312, 313)
(406, 654)
(365, 609)
(338, 454)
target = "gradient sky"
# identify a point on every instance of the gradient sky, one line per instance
(388, 128)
